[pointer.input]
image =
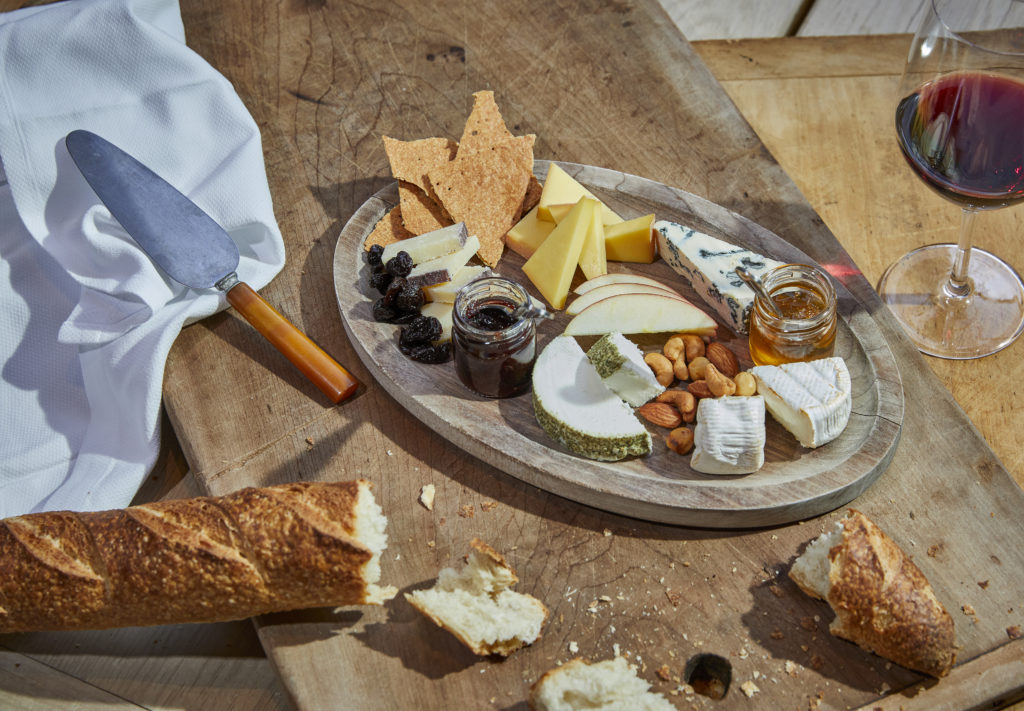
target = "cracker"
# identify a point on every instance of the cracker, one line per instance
(532, 197)
(485, 190)
(485, 127)
(389, 229)
(419, 213)
(412, 160)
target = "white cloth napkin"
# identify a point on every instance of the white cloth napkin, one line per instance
(86, 320)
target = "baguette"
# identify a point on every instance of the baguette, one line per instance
(205, 559)
(611, 685)
(882, 601)
(476, 605)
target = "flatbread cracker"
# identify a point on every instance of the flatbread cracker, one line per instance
(485, 190)
(485, 127)
(412, 160)
(420, 214)
(533, 192)
(389, 229)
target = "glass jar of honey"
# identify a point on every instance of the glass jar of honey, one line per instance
(493, 345)
(806, 328)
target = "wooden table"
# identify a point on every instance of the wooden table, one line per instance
(821, 107)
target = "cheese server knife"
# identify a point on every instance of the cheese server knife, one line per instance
(191, 248)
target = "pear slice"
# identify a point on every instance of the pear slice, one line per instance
(603, 292)
(618, 278)
(641, 313)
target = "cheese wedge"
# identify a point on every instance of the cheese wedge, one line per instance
(710, 264)
(442, 312)
(528, 234)
(812, 400)
(729, 436)
(442, 269)
(631, 241)
(552, 266)
(641, 313)
(446, 291)
(620, 363)
(560, 188)
(429, 245)
(575, 407)
(592, 258)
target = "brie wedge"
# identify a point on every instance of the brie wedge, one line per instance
(620, 363)
(574, 407)
(710, 264)
(811, 399)
(729, 436)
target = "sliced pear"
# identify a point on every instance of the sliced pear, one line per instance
(603, 292)
(617, 278)
(641, 313)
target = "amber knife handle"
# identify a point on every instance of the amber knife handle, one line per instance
(333, 380)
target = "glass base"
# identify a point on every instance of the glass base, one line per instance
(989, 318)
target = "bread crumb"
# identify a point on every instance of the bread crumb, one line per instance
(749, 688)
(574, 648)
(467, 511)
(1014, 632)
(309, 443)
(673, 597)
(968, 609)
(777, 633)
(427, 496)
(607, 532)
(933, 550)
(775, 590)
(808, 624)
(664, 672)
(817, 662)
(983, 584)
(431, 544)
(488, 506)
(791, 667)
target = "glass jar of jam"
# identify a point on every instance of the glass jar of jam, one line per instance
(806, 330)
(493, 345)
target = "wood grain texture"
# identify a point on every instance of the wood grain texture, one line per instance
(326, 82)
(701, 20)
(836, 17)
(795, 483)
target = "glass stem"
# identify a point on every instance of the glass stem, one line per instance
(959, 284)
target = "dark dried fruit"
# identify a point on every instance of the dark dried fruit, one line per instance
(383, 311)
(380, 279)
(399, 265)
(422, 330)
(394, 289)
(440, 353)
(373, 255)
(409, 298)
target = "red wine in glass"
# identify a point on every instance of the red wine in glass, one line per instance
(964, 136)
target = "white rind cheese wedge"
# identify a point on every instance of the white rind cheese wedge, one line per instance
(620, 363)
(429, 245)
(575, 407)
(710, 264)
(442, 269)
(729, 436)
(812, 399)
(446, 291)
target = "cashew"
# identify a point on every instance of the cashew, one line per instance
(694, 346)
(680, 370)
(697, 367)
(718, 383)
(662, 368)
(683, 400)
(674, 348)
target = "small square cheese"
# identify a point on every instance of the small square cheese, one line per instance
(729, 436)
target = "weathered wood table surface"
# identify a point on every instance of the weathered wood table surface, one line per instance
(615, 86)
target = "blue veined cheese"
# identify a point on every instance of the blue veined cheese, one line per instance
(709, 264)
(620, 363)
(729, 436)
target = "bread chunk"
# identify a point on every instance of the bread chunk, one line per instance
(882, 601)
(476, 605)
(205, 559)
(611, 685)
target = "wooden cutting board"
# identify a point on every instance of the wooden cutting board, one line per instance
(613, 85)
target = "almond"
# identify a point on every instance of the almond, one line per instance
(699, 389)
(723, 359)
(661, 414)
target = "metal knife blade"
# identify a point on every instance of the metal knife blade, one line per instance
(179, 237)
(194, 250)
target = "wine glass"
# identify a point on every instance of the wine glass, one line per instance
(960, 125)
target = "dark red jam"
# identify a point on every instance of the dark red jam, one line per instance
(494, 350)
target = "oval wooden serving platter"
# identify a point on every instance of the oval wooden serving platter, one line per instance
(795, 483)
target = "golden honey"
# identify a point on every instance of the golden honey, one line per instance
(806, 329)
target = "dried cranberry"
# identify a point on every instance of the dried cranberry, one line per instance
(399, 265)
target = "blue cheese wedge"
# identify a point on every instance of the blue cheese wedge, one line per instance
(812, 400)
(620, 363)
(729, 436)
(574, 406)
(710, 264)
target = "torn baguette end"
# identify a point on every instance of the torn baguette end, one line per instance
(371, 530)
